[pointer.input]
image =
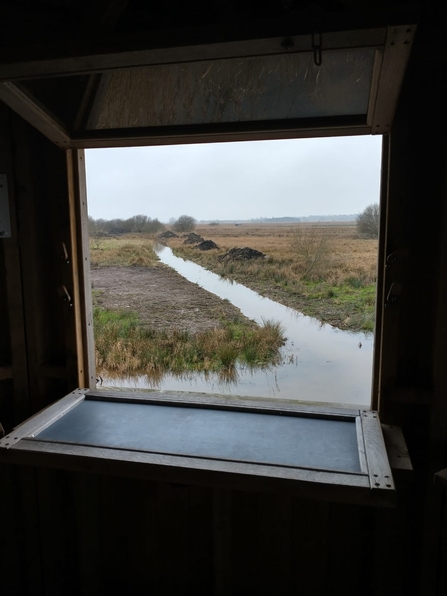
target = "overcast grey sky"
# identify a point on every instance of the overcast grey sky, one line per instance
(245, 180)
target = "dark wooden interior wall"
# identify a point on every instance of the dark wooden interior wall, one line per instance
(88, 534)
(38, 334)
(413, 373)
(80, 533)
(37, 331)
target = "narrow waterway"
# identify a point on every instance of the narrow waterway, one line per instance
(319, 363)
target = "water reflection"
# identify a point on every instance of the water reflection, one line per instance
(318, 362)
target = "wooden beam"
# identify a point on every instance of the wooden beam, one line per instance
(216, 133)
(116, 52)
(82, 293)
(91, 103)
(394, 60)
(398, 456)
(31, 110)
(381, 266)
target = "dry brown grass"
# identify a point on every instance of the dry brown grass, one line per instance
(125, 251)
(341, 290)
(350, 255)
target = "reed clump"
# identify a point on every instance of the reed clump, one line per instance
(124, 345)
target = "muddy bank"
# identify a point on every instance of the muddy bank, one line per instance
(163, 298)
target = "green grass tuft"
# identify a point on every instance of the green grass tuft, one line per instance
(124, 346)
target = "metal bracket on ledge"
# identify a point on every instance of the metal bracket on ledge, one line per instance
(394, 294)
(64, 295)
(397, 255)
(63, 252)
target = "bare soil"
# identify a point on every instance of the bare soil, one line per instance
(163, 299)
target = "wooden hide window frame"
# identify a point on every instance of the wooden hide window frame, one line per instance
(321, 453)
(84, 430)
(332, 453)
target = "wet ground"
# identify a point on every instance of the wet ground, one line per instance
(319, 363)
(163, 298)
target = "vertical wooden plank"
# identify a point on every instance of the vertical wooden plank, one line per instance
(351, 549)
(28, 532)
(6, 390)
(14, 333)
(129, 561)
(275, 538)
(442, 555)
(381, 264)
(32, 261)
(246, 574)
(80, 256)
(174, 538)
(88, 506)
(11, 578)
(309, 547)
(222, 529)
(396, 548)
(438, 414)
(58, 532)
(201, 540)
(7, 417)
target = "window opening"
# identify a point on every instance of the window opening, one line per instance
(237, 268)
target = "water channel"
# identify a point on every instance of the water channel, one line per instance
(319, 363)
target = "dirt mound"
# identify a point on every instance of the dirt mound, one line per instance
(242, 254)
(207, 245)
(168, 234)
(192, 238)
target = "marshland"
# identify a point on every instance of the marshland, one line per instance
(151, 322)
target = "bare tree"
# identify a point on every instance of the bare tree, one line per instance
(96, 229)
(138, 222)
(185, 223)
(91, 226)
(368, 221)
(153, 225)
(313, 251)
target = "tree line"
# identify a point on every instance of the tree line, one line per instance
(137, 224)
(367, 224)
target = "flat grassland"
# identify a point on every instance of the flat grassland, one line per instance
(324, 270)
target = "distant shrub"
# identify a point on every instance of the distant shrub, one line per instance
(153, 225)
(313, 251)
(368, 221)
(185, 223)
